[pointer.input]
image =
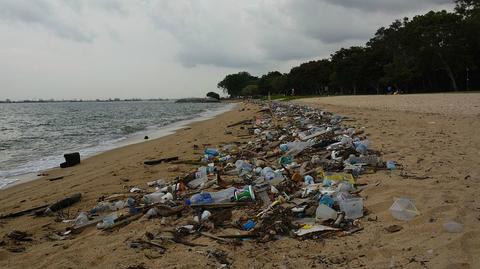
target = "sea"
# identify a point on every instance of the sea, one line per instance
(34, 136)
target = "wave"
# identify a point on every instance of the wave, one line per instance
(132, 134)
(132, 129)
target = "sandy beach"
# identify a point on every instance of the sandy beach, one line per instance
(433, 138)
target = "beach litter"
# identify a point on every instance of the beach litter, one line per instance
(453, 227)
(296, 176)
(404, 209)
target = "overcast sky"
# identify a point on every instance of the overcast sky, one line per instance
(173, 48)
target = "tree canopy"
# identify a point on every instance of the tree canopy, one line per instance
(213, 95)
(433, 52)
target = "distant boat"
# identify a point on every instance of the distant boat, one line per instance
(198, 100)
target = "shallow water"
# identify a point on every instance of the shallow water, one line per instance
(34, 136)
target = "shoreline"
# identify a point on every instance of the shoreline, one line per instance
(438, 170)
(133, 139)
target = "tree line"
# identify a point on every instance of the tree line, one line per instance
(433, 52)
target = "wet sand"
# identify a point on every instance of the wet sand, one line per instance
(439, 150)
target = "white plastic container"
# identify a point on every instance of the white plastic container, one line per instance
(352, 207)
(403, 209)
(325, 213)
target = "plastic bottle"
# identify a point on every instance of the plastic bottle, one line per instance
(201, 172)
(296, 147)
(243, 166)
(268, 173)
(346, 140)
(391, 165)
(222, 196)
(107, 206)
(345, 187)
(200, 199)
(210, 168)
(308, 179)
(362, 146)
(211, 152)
(152, 198)
(284, 160)
(107, 221)
(327, 200)
(225, 158)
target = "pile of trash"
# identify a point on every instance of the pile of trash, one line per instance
(296, 177)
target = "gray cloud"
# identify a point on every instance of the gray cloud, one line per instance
(391, 6)
(151, 46)
(42, 13)
(254, 33)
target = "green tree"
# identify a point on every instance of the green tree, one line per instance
(310, 78)
(213, 95)
(347, 69)
(273, 82)
(250, 90)
(233, 84)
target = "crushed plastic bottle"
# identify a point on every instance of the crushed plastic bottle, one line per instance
(243, 166)
(82, 218)
(308, 179)
(108, 221)
(326, 200)
(362, 146)
(109, 206)
(391, 165)
(294, 148)
(211, 152)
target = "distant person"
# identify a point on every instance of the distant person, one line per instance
(293, 91)
(389, 90)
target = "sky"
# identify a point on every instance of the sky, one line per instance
(67, 49)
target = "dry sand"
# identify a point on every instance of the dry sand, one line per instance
(429, 139)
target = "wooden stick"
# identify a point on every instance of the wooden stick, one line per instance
(220, 239)
(238, 123)
(23, 212)
(153, 162)
(153, 244)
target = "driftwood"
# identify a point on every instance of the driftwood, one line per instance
(219, 239)
(23, 212)
(191, 162)
(239, 123)
(224, 205)
(55, 178)
(65, 202)
(153, 244)
(163, 160)
(247, 235)
(405, 175)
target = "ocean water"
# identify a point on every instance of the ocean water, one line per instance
(34, 136)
